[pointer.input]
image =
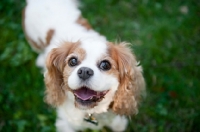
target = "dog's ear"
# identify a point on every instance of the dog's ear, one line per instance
(55, 63)
(132, 85)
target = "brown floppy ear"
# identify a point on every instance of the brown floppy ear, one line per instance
(132, 85)
(55, 63)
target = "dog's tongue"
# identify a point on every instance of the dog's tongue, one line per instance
(85, 93)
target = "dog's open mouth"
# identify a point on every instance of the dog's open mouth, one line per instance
(87, 97)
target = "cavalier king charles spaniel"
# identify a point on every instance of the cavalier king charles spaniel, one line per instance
(92, 82)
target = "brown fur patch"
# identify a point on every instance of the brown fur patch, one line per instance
(80, 54)
(131, 84)
(82, 21)
(114, 67)
(54, 79)
(49, 36)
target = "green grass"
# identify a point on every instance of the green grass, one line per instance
(165, 36)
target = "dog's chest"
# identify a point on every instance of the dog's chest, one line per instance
(79, 120)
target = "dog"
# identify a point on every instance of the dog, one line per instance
(92, 82)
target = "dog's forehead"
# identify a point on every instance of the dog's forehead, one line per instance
(94, 48)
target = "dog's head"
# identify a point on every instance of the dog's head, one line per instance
(99, 75)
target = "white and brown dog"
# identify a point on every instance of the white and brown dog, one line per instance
(86, 77)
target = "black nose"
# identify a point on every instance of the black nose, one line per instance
(85, 73)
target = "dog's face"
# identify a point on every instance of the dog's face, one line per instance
(90, 74)
(98, 74)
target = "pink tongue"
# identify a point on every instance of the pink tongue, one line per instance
(85, 93)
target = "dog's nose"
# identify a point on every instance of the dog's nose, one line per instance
(85, 73)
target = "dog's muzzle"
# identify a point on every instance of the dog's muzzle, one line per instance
(85, 73)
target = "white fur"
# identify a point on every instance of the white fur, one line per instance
(61, 16)
(94, 51)
(70, 118)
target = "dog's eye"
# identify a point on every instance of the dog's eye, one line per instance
(105, 65)
(73, 62)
